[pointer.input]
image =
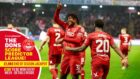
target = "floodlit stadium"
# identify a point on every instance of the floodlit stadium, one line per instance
(34, 16)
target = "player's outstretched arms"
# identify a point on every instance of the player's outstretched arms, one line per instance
(78, 49)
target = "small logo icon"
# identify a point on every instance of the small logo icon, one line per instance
(28, 45)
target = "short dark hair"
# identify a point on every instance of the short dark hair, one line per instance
(99, 23)
(74, 16)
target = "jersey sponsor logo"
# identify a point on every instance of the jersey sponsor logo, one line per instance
(70, 34)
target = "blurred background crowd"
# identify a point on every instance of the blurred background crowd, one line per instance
(39, 18)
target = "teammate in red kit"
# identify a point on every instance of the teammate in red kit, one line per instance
(71, 61)
(55, 50)
(125, 44)
(100, 43)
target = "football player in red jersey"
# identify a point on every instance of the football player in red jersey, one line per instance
(125, 44)
(100, 43)
(71, 61)
(55, 49)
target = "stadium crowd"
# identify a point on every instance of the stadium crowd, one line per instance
(38, 19)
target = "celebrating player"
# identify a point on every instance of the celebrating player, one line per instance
(125, 44)
(100, 43)
(71, 61)
(55, 50)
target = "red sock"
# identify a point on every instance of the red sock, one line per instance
(54, 73)
(82, 74)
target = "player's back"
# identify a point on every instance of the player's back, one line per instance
(55, 33)
(124, 39)
(100, 43)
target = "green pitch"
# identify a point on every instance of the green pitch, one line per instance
(133, 72)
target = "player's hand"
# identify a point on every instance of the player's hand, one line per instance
(57, 41)
(59, 5)
(125, 61)
(67, 48)
(40, 49)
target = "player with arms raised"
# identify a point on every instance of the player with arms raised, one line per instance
(125, 44)
(71, 61)
(100, 43)
(55, 50)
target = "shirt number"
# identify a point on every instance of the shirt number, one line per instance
(57, 37)
(103, 46)
(125, 39)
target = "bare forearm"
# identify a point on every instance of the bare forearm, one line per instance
(117, 50)
(77, 49)
(73, 40)
(42, 43)
(59, 41)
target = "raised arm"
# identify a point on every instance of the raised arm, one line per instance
(57, 18)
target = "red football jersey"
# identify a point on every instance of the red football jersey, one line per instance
(55, 33)
(100, 43)
(124, 40)
(73, 34)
